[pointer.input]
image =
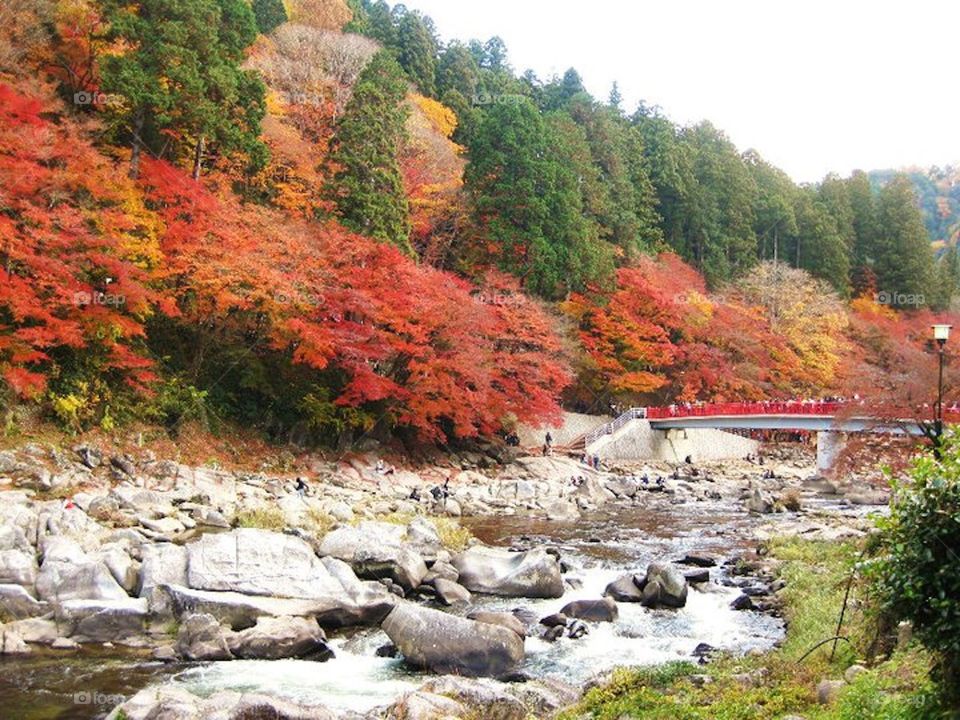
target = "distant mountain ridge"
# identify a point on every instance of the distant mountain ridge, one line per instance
(938, 190)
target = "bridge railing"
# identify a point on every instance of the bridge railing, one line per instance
(781, 407)
(767, 407)
(775, 407)
(611, 427)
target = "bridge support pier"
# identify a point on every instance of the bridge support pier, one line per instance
(830, 444)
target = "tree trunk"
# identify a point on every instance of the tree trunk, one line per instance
(137, 143)
(198, 158)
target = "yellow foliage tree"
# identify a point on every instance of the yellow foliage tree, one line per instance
(323, 14)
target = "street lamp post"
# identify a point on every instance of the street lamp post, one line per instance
(941, 333)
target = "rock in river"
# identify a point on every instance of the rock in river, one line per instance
(258, 562)
(593, 610)
(534, 574)
(445, 643)
(664, 586)
(626, 588)
(375, 552)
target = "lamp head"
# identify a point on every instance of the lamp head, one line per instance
(941, 333)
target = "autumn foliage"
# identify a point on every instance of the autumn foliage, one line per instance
(242, 288)
(76, 256)
(661, 337)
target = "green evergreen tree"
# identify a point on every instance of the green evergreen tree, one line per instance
(835, 195)
(527, 201)
(615, 101)
(721, 220)
(417, 51)
(820, 248)
(626, 208)
(270, 14)
(368, 187)
(184, 78)
(458, 70)
(379, 23)
(904, 259)
(947, 278)
(774, 213)
(668, 165)
(359, 23)
(865, 228)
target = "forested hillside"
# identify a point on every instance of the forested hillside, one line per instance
(313, 215)
(938, 190)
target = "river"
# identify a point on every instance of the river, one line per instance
(597, 548)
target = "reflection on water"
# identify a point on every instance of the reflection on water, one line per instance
(598, 548)
(47, 685)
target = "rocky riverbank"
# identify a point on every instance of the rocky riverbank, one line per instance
(195, 564)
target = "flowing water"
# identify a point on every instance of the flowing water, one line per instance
(598, 548)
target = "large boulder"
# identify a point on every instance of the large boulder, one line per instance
(492, 571)
(545, 697)
(376, 552)
(162, 564)
(103, 620)
(11, 642)
(18, 568)
(68, 573)
(241, 611)
(625, 588)
(169, 702)
(201, 637)
(444, 643)
(449, 592)
(17, 603)
(503, 619)
(419, 705)
(604, 610)
(664, 586)
(125, 570)
(281, 637)
(623, 487)
(493, 697)
(258, 562)
(759, 503)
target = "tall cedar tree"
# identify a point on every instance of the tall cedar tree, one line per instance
(270, 14)
(180, 79)
(368, 185)
(527, 203)
(904, 259)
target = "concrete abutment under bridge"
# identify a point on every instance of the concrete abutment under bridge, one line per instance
(639, 441)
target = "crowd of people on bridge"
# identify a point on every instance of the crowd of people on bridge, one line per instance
(816, 406)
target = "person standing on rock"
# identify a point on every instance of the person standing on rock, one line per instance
(301, 487)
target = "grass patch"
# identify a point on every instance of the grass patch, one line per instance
(262, 518)
(775, 685)
(319, 522)
(62, 492)
(453, 536)
(816, 574)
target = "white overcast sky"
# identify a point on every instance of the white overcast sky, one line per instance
(815, 86)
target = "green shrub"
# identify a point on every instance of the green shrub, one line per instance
(918, 573)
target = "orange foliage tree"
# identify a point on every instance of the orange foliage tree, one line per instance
(75, 255)
(432, 167)
(385, 341)
(659, 338)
